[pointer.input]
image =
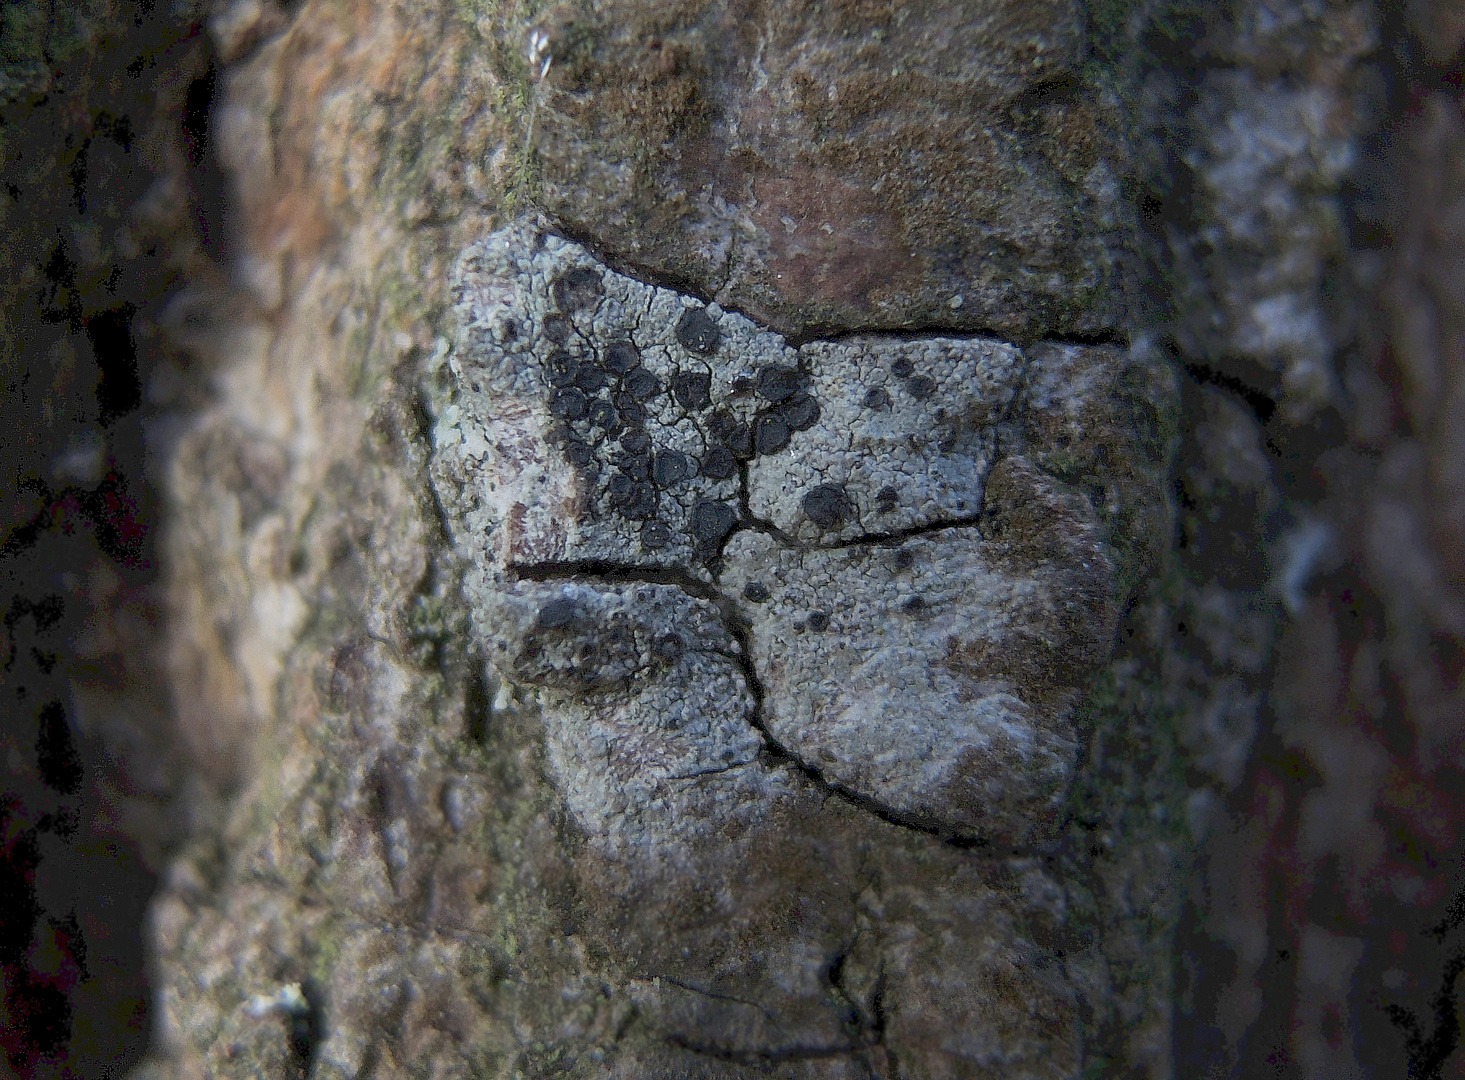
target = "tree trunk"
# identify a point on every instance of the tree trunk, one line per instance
(740, 541)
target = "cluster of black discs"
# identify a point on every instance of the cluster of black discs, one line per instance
(920, 387)
(601, 401)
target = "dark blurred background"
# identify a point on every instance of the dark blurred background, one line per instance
(109, 206)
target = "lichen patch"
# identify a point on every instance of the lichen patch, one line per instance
(698, 542)
(855, 646)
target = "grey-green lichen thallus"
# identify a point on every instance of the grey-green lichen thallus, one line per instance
(728, 566)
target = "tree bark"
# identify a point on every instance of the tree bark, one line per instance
(733, 541)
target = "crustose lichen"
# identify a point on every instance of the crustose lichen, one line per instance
(662, 503)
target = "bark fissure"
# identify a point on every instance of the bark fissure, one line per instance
(751, 522)
(717, 996)
(1107, 336)
(621, 264)
(753, 1056)
(763, 1057)
(750, 1056)
(711, 772)
(899, 536)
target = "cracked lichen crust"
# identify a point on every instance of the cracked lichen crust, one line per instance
(908, 432)
(901, 671)
(695, 541)
(647, 712)
(603, 412)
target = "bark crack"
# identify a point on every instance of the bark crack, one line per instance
(749, 1056)
(774, 752)
(1106, 336)
(762, 1057)
(900, 536)
(711, 772)
(717, 996)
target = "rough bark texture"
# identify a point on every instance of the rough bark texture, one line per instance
(536, 789)
(761, 541)
(844, 164)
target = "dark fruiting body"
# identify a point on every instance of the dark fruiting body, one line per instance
(556, 613)
(711, 522)
(578, 453)
(633, 499)
(777, 383)
(770, 433)
(756, 592)
(876, 398)
(619, 488)
(902, 367)
(827, 506)
(721, 424)
(630, 410)
(670, 467)
(568, 404)
(886, 499)
(668, 648)
(718, 463)
(591, 378)
(818, 620)
(621, 357)
(603, 415)
(561, 368)
(636, 442)
(640, 384)
(740, 441)
(697, 331)
(557, 328)
(692, 389)
(636, 466)
(914, 604)
(578, 287)
(800, 412)
(921, 387)
(644, 504)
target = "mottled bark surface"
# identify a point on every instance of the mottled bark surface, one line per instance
(746, 541)
(480, 834)
(847, 164)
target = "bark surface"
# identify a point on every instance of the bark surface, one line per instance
(685, 533)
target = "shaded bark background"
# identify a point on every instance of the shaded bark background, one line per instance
(1327, 909)
(110, 204)
(1314, 629)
